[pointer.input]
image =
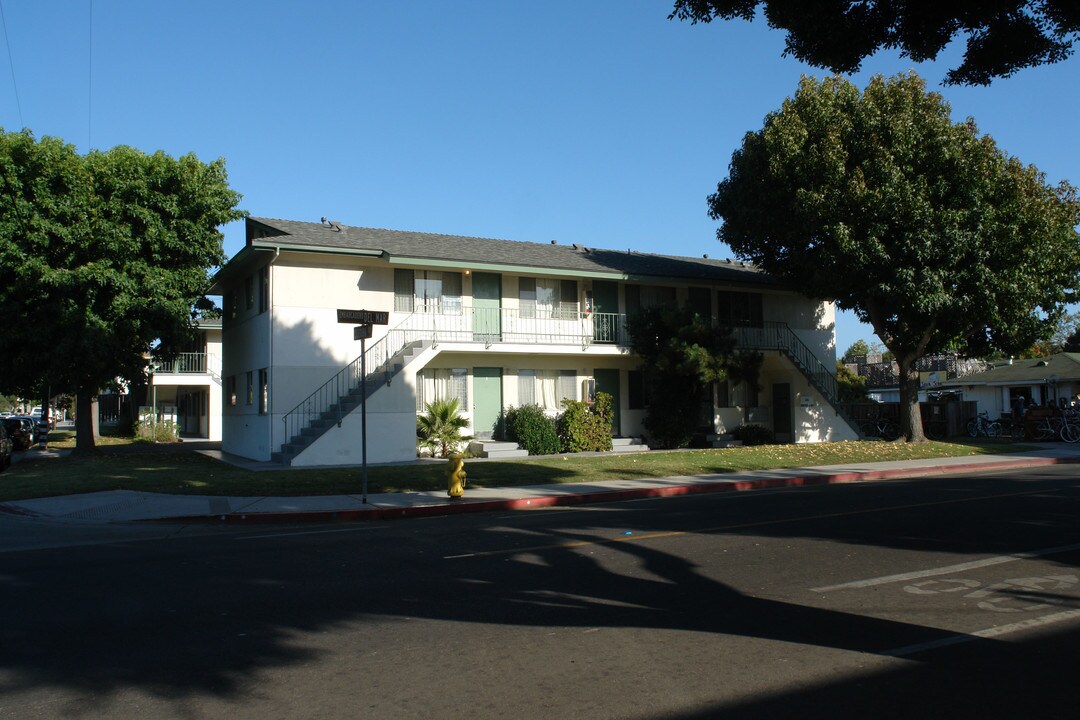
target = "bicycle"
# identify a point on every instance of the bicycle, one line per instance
(1070, 427)
(1047, 428)
(880, 427)
(983, 425)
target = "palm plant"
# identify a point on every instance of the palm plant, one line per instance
(440, 429)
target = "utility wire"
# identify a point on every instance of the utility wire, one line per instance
(11, 64)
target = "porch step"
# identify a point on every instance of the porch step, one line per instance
(628, 445)
(722, 441)
(496, 449)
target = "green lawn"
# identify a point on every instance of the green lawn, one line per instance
(174, 469)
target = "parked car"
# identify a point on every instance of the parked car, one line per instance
(21, 430)
(5, 448)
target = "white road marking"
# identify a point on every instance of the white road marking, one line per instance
(987, 633)
(947, 570)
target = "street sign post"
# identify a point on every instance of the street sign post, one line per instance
(364, 320)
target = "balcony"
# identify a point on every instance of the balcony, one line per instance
(183, 364)
(513, 325)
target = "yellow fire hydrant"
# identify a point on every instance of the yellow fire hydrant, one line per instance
(455, 476)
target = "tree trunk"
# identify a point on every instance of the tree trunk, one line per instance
(85, 421)
(911, 427)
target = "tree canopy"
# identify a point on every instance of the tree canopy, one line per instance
(101, 256)
(1002, 36)
(920, 226)
(681, 356)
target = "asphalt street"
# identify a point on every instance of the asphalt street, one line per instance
(952, 596)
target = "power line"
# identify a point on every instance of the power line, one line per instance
(11, 64)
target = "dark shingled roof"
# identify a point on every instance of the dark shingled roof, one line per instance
(436, 247)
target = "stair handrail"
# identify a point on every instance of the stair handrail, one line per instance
(779, 336)
(376, 360)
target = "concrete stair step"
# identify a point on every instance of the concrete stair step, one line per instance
(496, 449)
(621, 445)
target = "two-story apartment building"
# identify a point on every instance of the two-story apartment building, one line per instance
(189, 386)
(493, 323)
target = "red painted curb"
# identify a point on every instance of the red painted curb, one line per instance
(466, 506)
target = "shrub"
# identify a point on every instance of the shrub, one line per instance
(752, 434)
(440, 428)
(530, 428)
(582, 428)
(149, 431)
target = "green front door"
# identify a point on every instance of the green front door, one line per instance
(487, 395)
(487, 307)
(605, 311)
(607, 381)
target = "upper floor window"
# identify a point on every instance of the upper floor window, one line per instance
(699, 300)
(249, 292)
(427, 291)
(646, 296)
(264, 289)
(740, 309)
(547, 298)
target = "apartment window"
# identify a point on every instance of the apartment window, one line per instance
(231, 308)
(639, 297)
(427, 291)
(249, 292)
(546, 388)
(264, 289)
(264, 389)
(740, 309)
(547, 298)
(250, 388)
(230, 391)
(699, 300)
(433, 384)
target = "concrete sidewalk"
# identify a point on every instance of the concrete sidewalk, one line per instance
(121, 506)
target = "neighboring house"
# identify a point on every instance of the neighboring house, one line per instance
(189, 386)
(1045, 381)
(494, 323)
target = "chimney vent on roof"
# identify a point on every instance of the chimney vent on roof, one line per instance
(333, 225)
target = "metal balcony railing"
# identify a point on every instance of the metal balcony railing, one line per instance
(524, 326)
(191, 363)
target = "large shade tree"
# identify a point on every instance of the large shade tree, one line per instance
(1002, 36)
(920, 226)
(102, 256)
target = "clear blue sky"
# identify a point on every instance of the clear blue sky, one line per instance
(596, 122)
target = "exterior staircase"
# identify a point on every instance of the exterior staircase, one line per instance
(325, 408)
(778, 336)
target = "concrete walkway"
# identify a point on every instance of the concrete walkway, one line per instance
(132, 506)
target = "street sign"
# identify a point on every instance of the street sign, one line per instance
(362, 332)
(363, 317)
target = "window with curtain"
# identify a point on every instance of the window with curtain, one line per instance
(428, 291)
(546, 388)
(547, 298)
(433, 384)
